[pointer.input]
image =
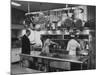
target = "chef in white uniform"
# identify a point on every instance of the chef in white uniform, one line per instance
(71, 47)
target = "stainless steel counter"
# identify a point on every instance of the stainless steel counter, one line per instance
(62, 58)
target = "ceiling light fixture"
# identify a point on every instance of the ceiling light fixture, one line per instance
(15, 4)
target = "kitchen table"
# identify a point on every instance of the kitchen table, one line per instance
(64, 58)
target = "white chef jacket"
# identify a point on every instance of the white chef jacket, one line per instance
(37, 38)
(71, 47)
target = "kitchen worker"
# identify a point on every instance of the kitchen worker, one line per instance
(45, 50)
(35, 36)
(46, 45)
(26, 62)
(26, 43)
(72, 46)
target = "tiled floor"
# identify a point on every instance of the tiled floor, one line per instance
(16, 69)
